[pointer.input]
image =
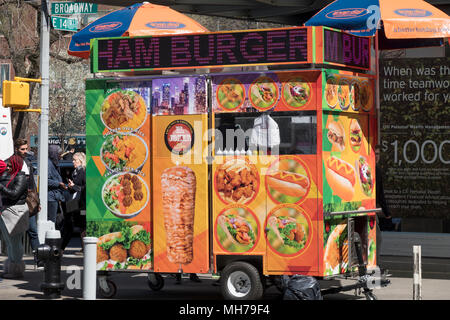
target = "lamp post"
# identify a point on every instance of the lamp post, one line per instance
(43, 225)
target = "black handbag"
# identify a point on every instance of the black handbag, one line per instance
(73, 204)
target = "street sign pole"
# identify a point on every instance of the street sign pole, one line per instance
(43, 225)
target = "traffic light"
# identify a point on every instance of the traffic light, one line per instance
(16, 94)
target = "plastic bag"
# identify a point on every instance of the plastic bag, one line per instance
(300, 287)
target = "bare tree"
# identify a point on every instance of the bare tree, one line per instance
(19, 42)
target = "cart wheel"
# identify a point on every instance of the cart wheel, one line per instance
(109, 291)
(155, 281)
(241, 281)
(370, 295)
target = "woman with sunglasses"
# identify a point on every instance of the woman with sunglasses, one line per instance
(14, 215)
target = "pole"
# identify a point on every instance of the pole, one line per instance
(417, 279)
(42, 224)
(377, 87)
(90, 268)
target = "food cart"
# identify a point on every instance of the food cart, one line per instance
(247, 154)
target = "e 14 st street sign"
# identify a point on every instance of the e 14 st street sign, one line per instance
(69, 8)
(65, 24)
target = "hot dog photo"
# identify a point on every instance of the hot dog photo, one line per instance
(287, 181)
(341, 177)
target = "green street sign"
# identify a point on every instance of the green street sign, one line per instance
(65, 24)
(68, 8)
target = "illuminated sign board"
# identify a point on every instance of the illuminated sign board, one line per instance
(277, 46)
(232, 48)
(346, 49)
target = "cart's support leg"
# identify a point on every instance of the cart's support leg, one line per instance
(364, 278)
(102, 282)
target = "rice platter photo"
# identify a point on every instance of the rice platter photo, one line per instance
(123, 110)
(125, 195)
(123, 152)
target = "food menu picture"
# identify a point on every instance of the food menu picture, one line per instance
(348, 162)
(180, 185)
(267, 204)
(260, 92)
(118, 169)
(348, 92)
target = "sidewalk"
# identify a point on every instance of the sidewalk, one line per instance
(134, 285)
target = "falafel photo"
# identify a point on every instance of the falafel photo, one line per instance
(129, 249)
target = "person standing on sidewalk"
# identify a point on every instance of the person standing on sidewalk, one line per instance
(76, 193)
(55, 182)
(21, 149)
(381, 203)
(14, 217)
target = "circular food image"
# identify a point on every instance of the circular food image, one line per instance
(123, 152)
(287, 181)
(230, 94)
(288, 230)
(125, 195)
(263, 93)
(237, 229)
(236, 181)
(365, 175)
(355, 95)
(344, 94)
(366, 96)
(123, 110)
(331, 92)
(296, 93)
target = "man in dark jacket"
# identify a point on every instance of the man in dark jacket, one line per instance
(21, 149)
(55, 182)
(383, 223)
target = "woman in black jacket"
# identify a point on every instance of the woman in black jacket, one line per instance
(77, 191)
(14, 215)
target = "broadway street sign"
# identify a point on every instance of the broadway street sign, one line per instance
(69, 8)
